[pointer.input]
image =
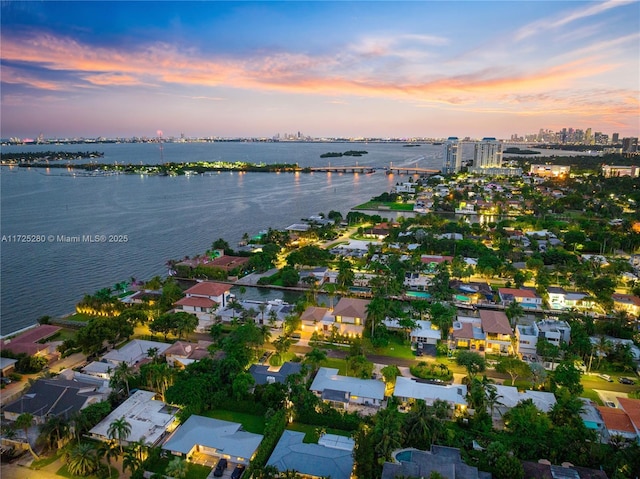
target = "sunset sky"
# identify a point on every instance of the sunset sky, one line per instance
(372, 69)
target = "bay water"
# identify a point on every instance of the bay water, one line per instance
(162, 218)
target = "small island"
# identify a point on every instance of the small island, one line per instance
(346, 153)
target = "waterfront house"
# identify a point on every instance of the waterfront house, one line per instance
(349, 315)
(466, 333)
(498, 332)
(526, 297)
(205, 297)
(210, 439)
(33, 342)
(149, 420)
(331, 457)
(343, 391)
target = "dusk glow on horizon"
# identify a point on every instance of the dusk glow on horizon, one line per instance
(327, 69)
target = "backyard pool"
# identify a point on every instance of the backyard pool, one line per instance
(418, 294)
(404, 455)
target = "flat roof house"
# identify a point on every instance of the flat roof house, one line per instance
(150, 420)
(134, 351)
(408, 389)
(267, 375)
(213, 437)
(341, 391)
(331, 457)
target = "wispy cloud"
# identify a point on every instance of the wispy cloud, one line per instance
(566, 18)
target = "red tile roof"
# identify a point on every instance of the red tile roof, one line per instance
(208, 288)
(616, 419)
(27, 342)
(196, 302)
(518, 293)
(632, 408)
(465, 332)
(351, 308)
(313, 313)
(495, 322)
(435, 259)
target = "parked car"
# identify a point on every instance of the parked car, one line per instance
(237, 472)
(606, 377)
(220, 468)
(626, 381)
(610, 404)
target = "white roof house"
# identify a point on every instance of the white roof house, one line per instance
(331, 457)
(509, 396)
(214, 437)
(408, 388)
(148, 419)
(134, 351)
(329, 385)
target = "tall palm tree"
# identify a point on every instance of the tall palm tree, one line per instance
(492, 398)
(54, 432)
(122, 374)
(109, 450)
(119, 429)
(131, 460)
(514, 311)
(82, 460)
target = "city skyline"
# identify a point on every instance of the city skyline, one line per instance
(337, 69)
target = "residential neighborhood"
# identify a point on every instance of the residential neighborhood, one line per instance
(471, 338)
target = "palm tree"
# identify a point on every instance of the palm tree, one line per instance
(315, 357)
(492, 398)
(24, 421)
(108, 450)
(262, 307)
(121, 375)
(177, 468)
(54, 432)
(119, 429)
(268, 472)
(82, 460)
(131, 460)
(514, 311)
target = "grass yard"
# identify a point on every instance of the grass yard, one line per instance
(312, 432)
(82, 317)
(194, 471)
(396, 348)
(64, 472)
(339, 364)
(250, 422)
(591, 394)
(376, 205)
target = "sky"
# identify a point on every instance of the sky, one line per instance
(326, 69)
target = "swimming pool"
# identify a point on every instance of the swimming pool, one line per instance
(404, 456)
(418, 294)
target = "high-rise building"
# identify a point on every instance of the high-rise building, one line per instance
(629, 145)
(451, 157)
(615, 138)
(487, 153)
(588, 137)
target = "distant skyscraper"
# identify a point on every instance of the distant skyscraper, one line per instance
(629, 145)
(615, 138)
(487, 153)
(451, 157)
(588, 138)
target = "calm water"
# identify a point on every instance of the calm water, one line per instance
(162, 217)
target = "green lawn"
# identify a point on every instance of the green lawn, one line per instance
(338, 364)
(194, 471)
(250, 422)
(79, 317)
(312, 432)
(39, 464)
(64, 472)
(374, 205)
(591, 394)
(396, 349)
